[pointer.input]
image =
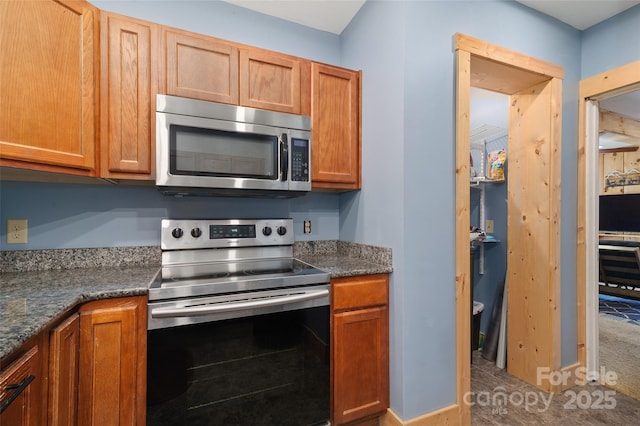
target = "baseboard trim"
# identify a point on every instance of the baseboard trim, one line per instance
(570, 376)
(449, 416)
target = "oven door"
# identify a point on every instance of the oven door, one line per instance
(266, 365)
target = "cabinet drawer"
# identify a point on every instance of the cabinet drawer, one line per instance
(358, 292)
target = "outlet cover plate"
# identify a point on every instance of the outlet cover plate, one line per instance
(488, 227)
(17, 231)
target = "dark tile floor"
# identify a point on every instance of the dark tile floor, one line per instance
(501, 399)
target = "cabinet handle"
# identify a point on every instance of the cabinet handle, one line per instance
(284, 158)
(19, 387)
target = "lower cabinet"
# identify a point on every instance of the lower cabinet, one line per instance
(21, 394)
(63, 372)
(89, 368)
(360, 347)
(112, 384)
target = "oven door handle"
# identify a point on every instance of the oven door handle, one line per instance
(237, 306)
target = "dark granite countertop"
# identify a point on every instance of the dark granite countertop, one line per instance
(30, 299)
(341, 266)
(343, 258)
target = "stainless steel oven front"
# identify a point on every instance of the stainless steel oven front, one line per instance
(238, 328)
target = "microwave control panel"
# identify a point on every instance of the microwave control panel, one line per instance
(299, 160)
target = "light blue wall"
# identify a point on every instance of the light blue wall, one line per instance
(376, 215)
(409, 136)
(79, 215)
(405, 50)
(612, 43)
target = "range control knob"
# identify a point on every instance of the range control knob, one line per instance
(266, 231)
(196, 232)
(177, 232)
(281, 230)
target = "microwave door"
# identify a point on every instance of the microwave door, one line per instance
(208, 153)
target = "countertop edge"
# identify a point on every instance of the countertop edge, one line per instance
(69, 288)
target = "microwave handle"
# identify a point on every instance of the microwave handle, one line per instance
(284, 157)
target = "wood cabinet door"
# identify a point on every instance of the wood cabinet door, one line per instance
(129, 74)
(112, 384)
(63, 372)
(26, 409)
(271, 81)
(48, 56)
(200, 67)
(361, 363)
(335, 129)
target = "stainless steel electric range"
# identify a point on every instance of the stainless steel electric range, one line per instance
(238, 328)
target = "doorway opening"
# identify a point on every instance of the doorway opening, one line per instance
(533, 219)
(488, 220)
(596, 95)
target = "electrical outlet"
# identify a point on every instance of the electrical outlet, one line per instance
(307, 226)
(17, 231)
(488, 226)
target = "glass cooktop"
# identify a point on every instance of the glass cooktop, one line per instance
(203, 279)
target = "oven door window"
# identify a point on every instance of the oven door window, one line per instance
(211, 152)
(268, 370)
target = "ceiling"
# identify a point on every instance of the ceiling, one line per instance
(334, 15)
(327, 15)
(580, 14)
(627, 104)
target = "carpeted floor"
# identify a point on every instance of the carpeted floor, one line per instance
(620, 342)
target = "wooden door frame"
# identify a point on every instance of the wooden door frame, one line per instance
(481, 64)
(605, 85)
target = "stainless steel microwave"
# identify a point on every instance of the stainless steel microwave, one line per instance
(207, 148)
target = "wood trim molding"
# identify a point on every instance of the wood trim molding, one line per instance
(611, 83)
(533, 236)
(620, 80)
(447, 416)
(573, 378)
(463, 263)
(506, 56)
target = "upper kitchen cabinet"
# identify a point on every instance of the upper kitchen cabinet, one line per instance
(48, 58)
(200, 67)
(211, 69)
(335, 128)
(273, 81)
(128, 88)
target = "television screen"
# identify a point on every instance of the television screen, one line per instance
(620, 213)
